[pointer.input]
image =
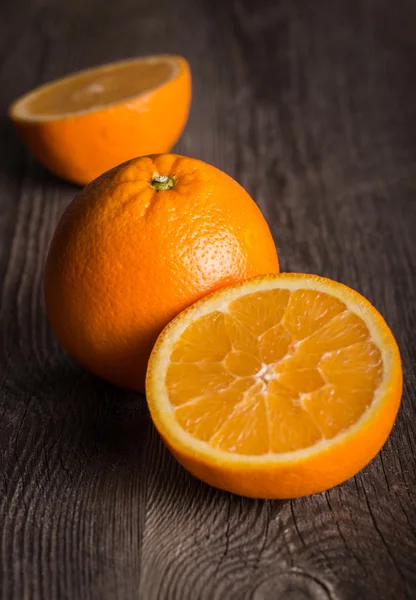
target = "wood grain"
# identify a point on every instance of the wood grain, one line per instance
(311, 107)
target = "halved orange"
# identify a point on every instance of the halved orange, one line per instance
(85, 124)
(277, 387)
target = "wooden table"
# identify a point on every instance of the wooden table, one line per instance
(312, 107)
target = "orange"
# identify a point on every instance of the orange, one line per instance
(277, 387)
(140, 244)
(84, 124)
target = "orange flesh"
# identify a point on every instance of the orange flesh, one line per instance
(99, 87)
(276, 372)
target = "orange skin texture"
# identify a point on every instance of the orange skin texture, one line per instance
(79, 148)
(125, 259)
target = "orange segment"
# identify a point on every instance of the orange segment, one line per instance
(246, 430)
(240, 337)
(242, 364)
(212, 329)
(259, 312)
(308, 311)
(334, 409)
(274, 344)
(299, 359)
(203, 417)
(187, 381)
(357, 367)
(302, 381)
(86, 123)
(294, 385)
(344, 329)
(291, 427)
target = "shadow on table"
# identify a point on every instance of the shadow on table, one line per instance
(210, 514)
(114, 430)
(17, 163)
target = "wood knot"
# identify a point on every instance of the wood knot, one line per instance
(293, 585)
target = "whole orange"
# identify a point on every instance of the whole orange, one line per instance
(137, 246)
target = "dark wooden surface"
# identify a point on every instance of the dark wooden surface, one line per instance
(312, 107)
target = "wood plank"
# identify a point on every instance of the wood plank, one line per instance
(311, 108)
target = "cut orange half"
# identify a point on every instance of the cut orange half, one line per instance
(277, 387)
(84, 124)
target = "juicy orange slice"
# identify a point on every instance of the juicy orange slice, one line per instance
(277, 387)
(91, 121)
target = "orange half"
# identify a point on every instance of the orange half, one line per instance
(85, 124)
(277, 387)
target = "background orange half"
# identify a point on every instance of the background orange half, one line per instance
(86, 123)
